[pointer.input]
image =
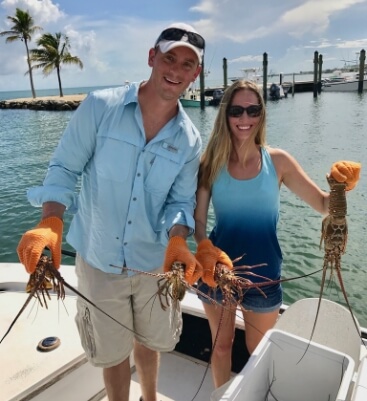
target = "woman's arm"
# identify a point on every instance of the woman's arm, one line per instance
(201, 213)
(296, 179)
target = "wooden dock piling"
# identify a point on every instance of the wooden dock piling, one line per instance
(315, 68)
(225, 77)
(265, 76)
(362, 59)
(320, 74)
(202, 87)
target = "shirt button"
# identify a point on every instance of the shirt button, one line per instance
(129, 222)
(138, 174)
(134, 199)
(125, 243)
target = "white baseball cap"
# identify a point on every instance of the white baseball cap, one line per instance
(181, 34)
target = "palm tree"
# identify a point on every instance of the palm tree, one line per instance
(22, 29)
(53, 51)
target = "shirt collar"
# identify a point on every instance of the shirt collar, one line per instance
(132, 97)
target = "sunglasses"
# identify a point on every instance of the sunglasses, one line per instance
(237, 111)
(177, 34)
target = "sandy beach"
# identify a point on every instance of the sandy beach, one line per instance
(72, 98)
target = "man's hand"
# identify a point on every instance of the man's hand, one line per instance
(178, 251)
(48, 233)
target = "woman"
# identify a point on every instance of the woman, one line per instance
(242, 176)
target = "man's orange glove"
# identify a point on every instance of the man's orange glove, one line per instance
(178, 251)
(345, 171)
(208, 256)
(47, 233)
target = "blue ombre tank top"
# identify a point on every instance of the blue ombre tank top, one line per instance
(246, 217)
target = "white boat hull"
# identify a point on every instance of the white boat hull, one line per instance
(192, 102)
(345, 86)
(192, 98)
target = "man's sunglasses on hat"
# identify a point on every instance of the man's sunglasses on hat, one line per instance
(177, 34)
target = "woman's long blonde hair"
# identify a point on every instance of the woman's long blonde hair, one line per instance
(218, 150)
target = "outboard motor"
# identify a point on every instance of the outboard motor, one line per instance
(217, 97)
(274, 92)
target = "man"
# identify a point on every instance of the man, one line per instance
(137, 154)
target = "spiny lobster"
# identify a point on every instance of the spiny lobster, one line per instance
(334, 235)
(45, 278)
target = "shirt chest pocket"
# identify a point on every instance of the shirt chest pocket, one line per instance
(113, 158)
(163, 169)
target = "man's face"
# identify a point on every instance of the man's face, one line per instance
(174, 70)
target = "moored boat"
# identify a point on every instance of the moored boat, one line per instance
(343, 86)
(191, 98)
(193, 102)
(274, 91)
(343, 82)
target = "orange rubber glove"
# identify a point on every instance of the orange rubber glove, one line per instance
(47, 233)
(208, 256)
(346, 171)
(178, 251)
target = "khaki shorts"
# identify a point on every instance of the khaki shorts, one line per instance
(132, 302)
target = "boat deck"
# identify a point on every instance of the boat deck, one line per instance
(180, 379)
(64, 373)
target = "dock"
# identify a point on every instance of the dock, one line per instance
(301, 86)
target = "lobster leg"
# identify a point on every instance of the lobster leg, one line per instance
(38, 286)
(334, 234)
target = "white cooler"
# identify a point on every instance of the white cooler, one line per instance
(280, 370)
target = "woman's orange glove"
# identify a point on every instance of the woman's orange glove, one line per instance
(345, 171)
(208, 256)
(178, 251)
(47, 233)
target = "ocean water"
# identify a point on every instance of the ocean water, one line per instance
(317, 132)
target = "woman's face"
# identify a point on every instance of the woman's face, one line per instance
(244, 114)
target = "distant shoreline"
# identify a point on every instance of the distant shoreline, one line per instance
(52, 103)
(72, 98)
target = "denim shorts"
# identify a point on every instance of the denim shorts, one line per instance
(253, 300)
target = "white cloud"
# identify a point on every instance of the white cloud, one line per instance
(116, 49)
(245, 59)
(313, 17)
(43, 12)
(353, 44)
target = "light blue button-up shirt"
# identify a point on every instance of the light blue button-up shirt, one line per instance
(131, 192)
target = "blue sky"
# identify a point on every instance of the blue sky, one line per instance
(113, 37)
